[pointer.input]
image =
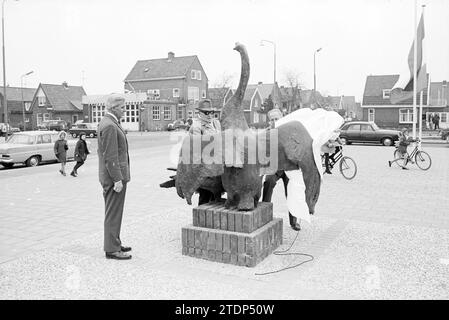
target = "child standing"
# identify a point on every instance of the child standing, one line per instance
(404, 142)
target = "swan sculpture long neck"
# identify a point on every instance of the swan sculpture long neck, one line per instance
(232, 114)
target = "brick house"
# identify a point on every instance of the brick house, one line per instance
(18, 106)
(94, 108)
(173, 80)
(307, 98)
(376, 105)
(252, 103)
(57, 102)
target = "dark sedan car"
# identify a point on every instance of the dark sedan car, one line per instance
(367, 132)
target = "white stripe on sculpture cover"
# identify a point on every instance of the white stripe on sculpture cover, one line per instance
(321, 126)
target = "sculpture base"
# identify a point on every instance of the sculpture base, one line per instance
(246, 247)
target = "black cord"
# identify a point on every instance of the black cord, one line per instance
(283, 253)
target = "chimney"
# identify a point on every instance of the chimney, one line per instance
(65, 84)
(171, 56)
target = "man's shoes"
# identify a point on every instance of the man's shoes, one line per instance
(119, 255)
(404, 168)
(73, 174)
(125, 249)
(328, 172)
(389, 164)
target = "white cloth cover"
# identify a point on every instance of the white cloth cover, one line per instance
(321, 125)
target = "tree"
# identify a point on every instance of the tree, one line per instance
(223, 81)
(267, 105)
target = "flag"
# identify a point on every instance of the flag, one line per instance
(403, 88)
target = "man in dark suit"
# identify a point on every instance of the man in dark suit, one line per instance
(114, 175)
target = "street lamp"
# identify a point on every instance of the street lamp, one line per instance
(23, 101)
(4, 71)
(274, 47)
(314, 69)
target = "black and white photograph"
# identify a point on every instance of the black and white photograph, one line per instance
(248, 151)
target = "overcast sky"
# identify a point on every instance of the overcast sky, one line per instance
(59, 40)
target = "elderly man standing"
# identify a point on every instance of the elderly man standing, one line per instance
(114, 175)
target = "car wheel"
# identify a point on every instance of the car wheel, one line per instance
(344, 141)
(74, 135)
(91, 135)
(387, 142)
(8, 165)
(33, 161)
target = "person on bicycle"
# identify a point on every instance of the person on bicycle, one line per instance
(330, 149)
(404, 142)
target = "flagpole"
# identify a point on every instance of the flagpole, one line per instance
(415, 67)
(422, 91)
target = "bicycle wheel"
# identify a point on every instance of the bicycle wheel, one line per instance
(423, 160)
(348, 168)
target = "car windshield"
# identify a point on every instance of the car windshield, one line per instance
(21, 139)
(375, 127)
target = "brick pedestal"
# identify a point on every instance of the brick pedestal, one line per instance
(238, 237)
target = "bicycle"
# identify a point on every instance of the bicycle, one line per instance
(422, 158)
(347, 165)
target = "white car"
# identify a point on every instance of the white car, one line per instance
(32, 148)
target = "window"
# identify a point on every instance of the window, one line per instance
(74, 118)
(180, 113)
(193, 93)
(27, 106)
(405, 116)
(153, 94)
(193, 74)
(175, 92)
(46, 138)
(366, 127)
(46, 116)
(156, 113)
(198, 75)
(39, 119)
(98, 112)
(41, 101)
(190, 114)
(371, 115)
(256, 117)
(203, 94)
(167, 113)
(386, 93)
(354, 127)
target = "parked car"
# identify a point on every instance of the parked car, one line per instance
(367, 132)
(57, 125)
(32, 147)
(90, 129)
(444, 133)
(177, 124)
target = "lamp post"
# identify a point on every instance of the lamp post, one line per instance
(274, 48)
(23, 101)
(4, 71)
(314, 69)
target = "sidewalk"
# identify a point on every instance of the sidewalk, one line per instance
(368, 240)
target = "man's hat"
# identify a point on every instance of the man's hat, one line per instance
(205, 105)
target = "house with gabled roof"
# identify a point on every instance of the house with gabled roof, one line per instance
(345, 106)
(267, 90)
(377, 107)
(57, 102)
(252, 106)
(178, 80)
(308, 98)
(19, 106)
(291, 99)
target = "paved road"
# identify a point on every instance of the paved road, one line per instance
(382, 235)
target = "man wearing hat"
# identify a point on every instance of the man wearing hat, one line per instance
(205, 123)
